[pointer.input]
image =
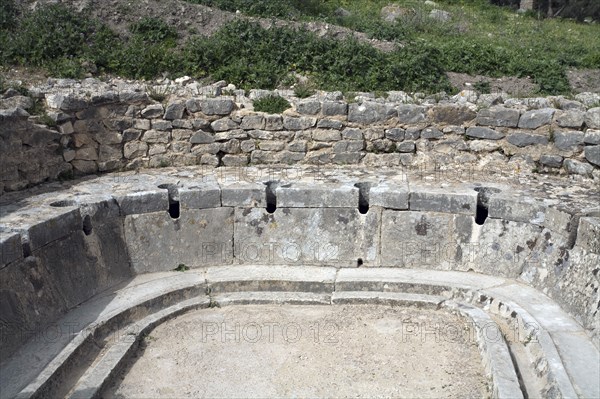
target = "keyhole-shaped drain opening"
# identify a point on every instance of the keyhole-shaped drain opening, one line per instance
(271, 196)
(483, 198)
(359, 262)
(363, 197)
(87, 225)
(174, 209)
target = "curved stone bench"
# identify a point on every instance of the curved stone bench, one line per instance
(127, 314)
(65, 248)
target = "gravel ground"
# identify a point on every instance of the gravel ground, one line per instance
(307, 351)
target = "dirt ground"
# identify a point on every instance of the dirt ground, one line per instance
(307, 351)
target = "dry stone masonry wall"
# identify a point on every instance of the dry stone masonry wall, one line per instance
(104, 127)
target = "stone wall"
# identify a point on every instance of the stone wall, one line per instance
(62, 247)
(110, 130)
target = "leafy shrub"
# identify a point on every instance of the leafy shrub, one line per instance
(8, 14)
(271, 104)
(153, 30)
(270, 8)
(250, 56)
(304, 90)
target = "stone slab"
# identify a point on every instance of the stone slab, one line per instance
(518, 208)
(306, 236)
(456, 200)
(58, 224)
(143, 202)
(273, 278)
(389, 196)
(244, 195)
(317, 196)
(588, 234)
(11, 248)
(198, 238)
(200, 196)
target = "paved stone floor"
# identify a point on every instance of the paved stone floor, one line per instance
(307, 351)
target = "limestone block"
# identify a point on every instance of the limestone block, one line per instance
(421, 239)
(592, 118)
(201, 137)
(332, 108)
(551, 161)
(448, 200)
(156, 136)
(326, 135)
(330, 124)
(143, 202)
(300, 195)
(389, 195)
(484, 133)
(135, 149)
(153, 111)
(308, 107)
(573, 119)
(347, 158)
(451, 114)
(592, 154)
(200, 196)
(235, 160)
(302, 123)
(498, 116)
(273, 122)
(536, 118)
(568, 141)
(588, 234)
(11, 248)
(352, 134)
(517, 207)
(406, 147)
(253, 122)
(224, 124)
(395, 134)
(244, 194)
(337, 237)
(526, 139)
(409, 114)
(580, 168)
(159, 124)
(271, 145)
(217, 106)
(348, 146)
(174, 111)
(198, 238)
(86, 154)
(57, 223)
(84, 167)
(370, 112)
(592, 137)
(431, 133)
(110, 153)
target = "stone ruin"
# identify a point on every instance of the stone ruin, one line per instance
(130, 212)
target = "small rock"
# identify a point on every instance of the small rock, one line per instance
(592, 154)
(551, 161)
(580, 168)
(484, 133)
(440, 15)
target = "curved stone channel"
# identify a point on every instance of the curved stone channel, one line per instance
(92, 268)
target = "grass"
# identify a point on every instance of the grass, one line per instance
(479, 39)
(271, 104)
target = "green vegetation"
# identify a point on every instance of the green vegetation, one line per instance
(181, 268)
(479, 39)
(271, 104)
